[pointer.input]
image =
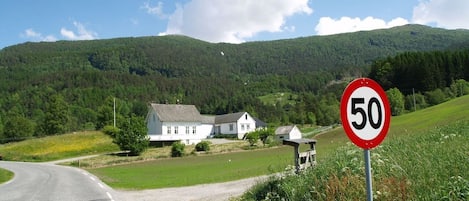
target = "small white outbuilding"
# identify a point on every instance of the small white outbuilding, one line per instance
(287, 133)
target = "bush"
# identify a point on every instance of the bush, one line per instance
(203, 146)
(177, 149)
(252, 138)
(133, 136)
(110, 130)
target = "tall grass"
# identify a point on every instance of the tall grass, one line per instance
(58, 147)
(429, 165)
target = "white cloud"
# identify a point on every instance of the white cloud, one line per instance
(327, 25)
(233, 21)
(82, 33)
(154, 10)
(450, 14)
(36, 36)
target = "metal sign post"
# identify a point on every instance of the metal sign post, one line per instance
(366, 116)
(369, 188)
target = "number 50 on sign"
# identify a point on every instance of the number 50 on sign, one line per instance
(365, 113)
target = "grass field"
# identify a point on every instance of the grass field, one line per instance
(58, 147)
(193, 170)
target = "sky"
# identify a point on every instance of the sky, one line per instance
(230, 21)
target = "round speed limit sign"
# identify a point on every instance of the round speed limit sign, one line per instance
(365, 113)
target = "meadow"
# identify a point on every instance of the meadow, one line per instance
(58, 147)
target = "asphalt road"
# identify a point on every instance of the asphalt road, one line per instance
(49, 182)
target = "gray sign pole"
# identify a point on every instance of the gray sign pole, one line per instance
(369, 191)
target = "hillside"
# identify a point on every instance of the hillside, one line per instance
(217, 78)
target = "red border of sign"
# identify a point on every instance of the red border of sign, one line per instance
(354, 85)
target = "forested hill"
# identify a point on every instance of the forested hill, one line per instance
(175, 56)
(216, 77)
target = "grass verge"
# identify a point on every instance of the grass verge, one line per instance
(5, 175)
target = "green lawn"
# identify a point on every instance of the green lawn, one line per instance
(193, 170)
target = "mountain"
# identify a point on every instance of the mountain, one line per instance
(216, 77)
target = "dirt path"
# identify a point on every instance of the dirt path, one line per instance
(202, 192)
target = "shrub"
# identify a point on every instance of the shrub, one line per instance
(203, 146)
(177, 149)
(110, 130)
(252, 138)
(133, 136)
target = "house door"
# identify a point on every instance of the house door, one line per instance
(217, 130)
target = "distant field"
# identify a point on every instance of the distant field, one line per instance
(280, 97)
(58, 147)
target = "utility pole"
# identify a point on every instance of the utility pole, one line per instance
(114, 112)
(413, 95)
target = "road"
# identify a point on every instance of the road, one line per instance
(45, 181)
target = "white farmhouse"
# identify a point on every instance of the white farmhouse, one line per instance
(168, 123)
(287, 133)
(173, 122)
(236, 124)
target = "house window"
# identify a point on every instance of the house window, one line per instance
(176, 129)
(194, 130)
(248, 126)
(187, 129)
(169, 129)
(242, 127)
(231, 127)
(246, 116)
(154, 118)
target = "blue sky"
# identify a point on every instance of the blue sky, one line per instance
(232, 21)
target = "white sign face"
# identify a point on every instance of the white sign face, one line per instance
(365, 113)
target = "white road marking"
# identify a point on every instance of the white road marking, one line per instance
(100, 185)
(92, 178)
(109, 195)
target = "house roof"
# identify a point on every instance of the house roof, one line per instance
(259, 123)
(176, 113)
(207, 119)
(283, 130)
(228, 118)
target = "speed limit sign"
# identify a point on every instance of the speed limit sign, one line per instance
(365, 113)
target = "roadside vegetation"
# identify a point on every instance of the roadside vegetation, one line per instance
(424, 157)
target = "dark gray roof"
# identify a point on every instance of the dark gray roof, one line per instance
(282, 130)
(177, 113)
(228, 118)
(259, 123)
(206, 119)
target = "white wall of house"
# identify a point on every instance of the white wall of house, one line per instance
(240, 127)
(295, 133)
(186, 132)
